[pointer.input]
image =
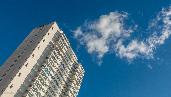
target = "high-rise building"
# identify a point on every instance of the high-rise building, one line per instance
(44, 65)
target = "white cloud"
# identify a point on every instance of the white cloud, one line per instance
(161, 27)
(98, 35)
(132, 50)
(78, 32)
(109, 33)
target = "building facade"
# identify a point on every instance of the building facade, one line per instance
(44, 65)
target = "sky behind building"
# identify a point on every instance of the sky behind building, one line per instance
(126, 71)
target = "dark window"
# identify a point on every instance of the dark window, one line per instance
(43, 40)
(42, 65)
(52, 28)
(22, 52)
(12, 65)
(11, 86)
(19, 74)
(8, 70)
(41, 27)
(18, 56)
(33, 55)
(26, 64)
(48, 33)
(47, 57)
(38, 47)
(15, 60)
(30, 85)
(3, 74)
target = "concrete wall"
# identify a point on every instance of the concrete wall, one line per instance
(24, 58)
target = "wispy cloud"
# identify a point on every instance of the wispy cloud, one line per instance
(99, 34)
(110, 32)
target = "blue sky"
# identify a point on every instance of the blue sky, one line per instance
(128, 55)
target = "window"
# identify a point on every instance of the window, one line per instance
(8, 70)
(3, 74)
(30, 85)
(48, 33)
(47, 57)
(52, 28)
(26, 64)
(43, 40)
(42, 65)
(33, 55)
(19, 74)
(12, 65)
(2, 90)
(26, 90)
(22, 52)
(38, 47)
(15, 60)
(11, 86)
(18, 56)
(41, 28)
